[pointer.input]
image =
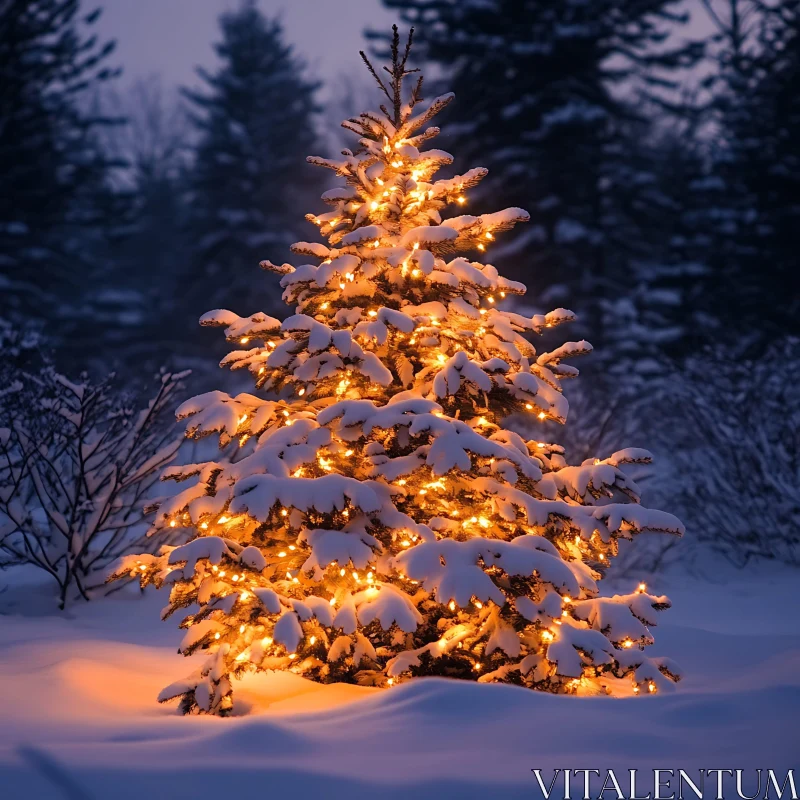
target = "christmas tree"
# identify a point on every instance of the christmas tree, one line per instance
(376, 522)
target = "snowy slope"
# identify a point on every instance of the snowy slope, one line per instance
(80, 720)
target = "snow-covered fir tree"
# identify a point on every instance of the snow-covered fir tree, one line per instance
(380, 523)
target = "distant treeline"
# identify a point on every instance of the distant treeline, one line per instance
(662, 174)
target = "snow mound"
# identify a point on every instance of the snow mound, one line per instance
(79, 712)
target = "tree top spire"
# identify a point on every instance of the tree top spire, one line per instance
(397, 73)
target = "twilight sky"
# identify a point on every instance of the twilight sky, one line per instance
(171, 37)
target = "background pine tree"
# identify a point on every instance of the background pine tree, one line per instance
(255, 125)
(145, 326)
(57, 210)
(758, 165)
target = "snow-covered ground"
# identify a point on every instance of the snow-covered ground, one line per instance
(79, 717)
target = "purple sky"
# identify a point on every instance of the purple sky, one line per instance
(171, 37)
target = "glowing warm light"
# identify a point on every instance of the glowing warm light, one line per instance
(244, 339)
(461, 200)
(451, 605)
(642, 587)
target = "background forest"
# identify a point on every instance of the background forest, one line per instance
(661, 168)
